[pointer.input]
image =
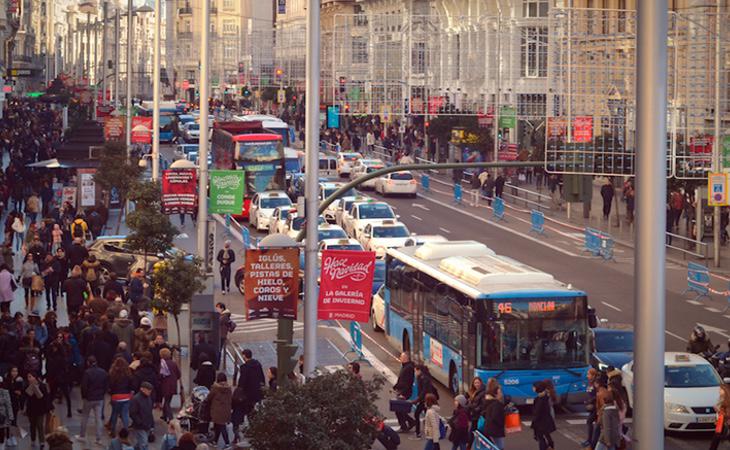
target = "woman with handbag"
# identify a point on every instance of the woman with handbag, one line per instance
(169, 379)
(722, 426)
(6, 413)
(27, 271)
(493, 416)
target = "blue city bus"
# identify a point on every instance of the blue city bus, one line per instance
(168, 110)
(467, 312)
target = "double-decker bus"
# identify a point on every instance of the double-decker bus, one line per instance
(468, 312)
(249, 147)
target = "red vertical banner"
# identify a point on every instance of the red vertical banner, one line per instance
(179, 191)
(346, 285)
(141, 130)
(583, 129)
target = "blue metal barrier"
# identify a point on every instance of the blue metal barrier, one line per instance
(498, 208)
(606, 250)
(425, 182)
(246, 237)
(228, 225)
(598, 243)
(537, 222)
(482, 443)
(356, 343)
(457, 193)
(698, 280)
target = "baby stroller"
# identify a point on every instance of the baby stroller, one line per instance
(193, 414)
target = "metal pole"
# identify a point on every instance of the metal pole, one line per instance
(87, 65)
(105, 9)
(498, 81)
(310, 186)
(116, 58)
(130, 8)
(156, 95)
(203, 140)
(569, 128)
(716, 155)
(49, 40)
(650, 283)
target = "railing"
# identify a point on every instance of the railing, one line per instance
(328, 148)
(691, 246)
(384, 153)
(233, 352)
(531, 199)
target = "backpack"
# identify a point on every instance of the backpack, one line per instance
(231, 325)
(32, 363)
(78, 229)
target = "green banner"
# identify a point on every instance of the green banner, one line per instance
(226, 192)
(726, 152)
(507, 117)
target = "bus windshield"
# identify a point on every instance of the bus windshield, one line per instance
(537, 333)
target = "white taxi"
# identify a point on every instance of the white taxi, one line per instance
(263, 205)
(294, 224)
(691, 391)
(377, 310)
(362, 214)
(344, 205)
(278, 219)
(365, 166)
(339, 244)
(403, 183)
(345, 161)
(379, 237)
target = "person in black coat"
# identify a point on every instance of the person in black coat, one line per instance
(206, 375)
(424, 384)
(493, 413)
(252, 381)
(145, 372)
(38, 403)
(403, 388)
(203, 350)
(113, 288)
(77, 253)
(543, 422)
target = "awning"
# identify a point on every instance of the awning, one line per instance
(64, 164)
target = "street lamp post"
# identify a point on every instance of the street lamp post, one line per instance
(203, 139)
(156, 95)
(130, 12)
(105, 7)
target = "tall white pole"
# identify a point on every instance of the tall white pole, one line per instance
(310, 187)
(716, 149)
(651, 189)
(117, 75)
(203, 138)
(105, 8)
(156, 94)
(130, 8)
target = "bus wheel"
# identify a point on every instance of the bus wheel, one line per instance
(454, 380)
(406, 344)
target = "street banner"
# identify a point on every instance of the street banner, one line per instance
(271, 283)
(226, 192)
(556, 127)
(346, 285)
(507, 117)
(69, 195)
(87, 187)
(717, 190)
(114, 128)
(141, 130)
(583, 129)
(179, 191)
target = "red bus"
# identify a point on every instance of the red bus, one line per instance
(249, 147)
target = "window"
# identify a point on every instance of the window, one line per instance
(531, 105)
(589, 16)
(418, 58)
(360, 50)
(361, 20)
(229, 52)
(534, 52)
(230, 27)
(442, 311)
(622, 16)
(228, 4)
(535, 8)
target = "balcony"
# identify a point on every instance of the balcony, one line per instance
(187, 10)
(185, 35)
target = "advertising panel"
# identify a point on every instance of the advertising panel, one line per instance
(226, 191)
(346, 284)
(271, 283)
(179, 191)
(141, 130)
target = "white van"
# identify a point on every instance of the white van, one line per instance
(327, 166)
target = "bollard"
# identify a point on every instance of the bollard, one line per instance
(498, 208)
(425, 182)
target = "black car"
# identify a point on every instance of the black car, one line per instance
(114, 256)
(612, 347)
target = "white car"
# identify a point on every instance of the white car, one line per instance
(278, 219)
(365, 166)
(362, 214)
(263, 205)
(691, 391)
(328, 188)
(377, 310)
(379, 237)
(294, 224)
(344, 205)
(339, 244)
(328, 231)
(397, 183)
(345, 161)
(191, 132)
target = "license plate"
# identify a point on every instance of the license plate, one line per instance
(529, 401)
(706, 419)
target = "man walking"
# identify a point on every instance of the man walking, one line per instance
(94, 385)
(140, 413)
(404, 388)
(225, 326)
(251, 380)
(226, 257)
(607, 193)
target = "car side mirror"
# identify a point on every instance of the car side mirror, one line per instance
(592, 318)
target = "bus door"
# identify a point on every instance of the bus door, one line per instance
(418, 296)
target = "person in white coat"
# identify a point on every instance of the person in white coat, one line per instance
(431, 428)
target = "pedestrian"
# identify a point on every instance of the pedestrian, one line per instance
(79, 228)
(121, 442)
(135, 291)
(121, 388)
(123, 328)
(225, 326)
(32, 207)
(7, 415)
(37, 404)
(169, 379)
(219, 399)
(610, 438)
(251, 380)
(90, 269)
(140, 412)
(76, 290)
(543, 422)
(28, 270)
(677, 203)
(8, 255)
(475, 397)
(226, 257)
(143, 335)
(50, 270)
(403, 388)
(8, 285)
(493, 413)
(77, 253)
(607, 193)
(630, 195)
(18, 227)
(58, 369)
(499, 185)
(432, 423)
(205, 375)
(112, 288)
(203, 350)
(424, 386)
(94, 385)
(459, 424)
(63, 264)
(56, 237)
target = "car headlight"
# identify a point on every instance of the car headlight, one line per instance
(602, 367)
(380, 252)
(676, 408)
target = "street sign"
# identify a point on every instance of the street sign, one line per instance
(717, 190)
(20, 73)
(271, 283)
(507, 117)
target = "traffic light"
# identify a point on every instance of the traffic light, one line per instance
(279, 74)
(343, 84)
(246, 92)
(286, 359)
(347, 108)
(241, 68)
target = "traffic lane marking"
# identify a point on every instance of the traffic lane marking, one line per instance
(445, 230)
(417, 218)
(377, 364)
(611, 306)
(676, 336)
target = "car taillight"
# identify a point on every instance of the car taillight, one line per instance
(412, 182)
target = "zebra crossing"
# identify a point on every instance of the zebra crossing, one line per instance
(245, 327)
